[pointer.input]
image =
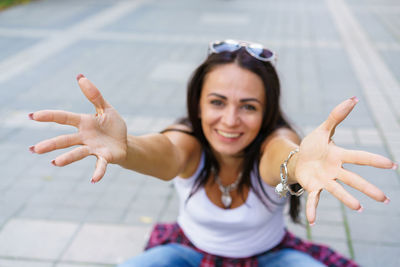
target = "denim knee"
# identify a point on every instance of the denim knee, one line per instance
(288, 257)
(166, 256)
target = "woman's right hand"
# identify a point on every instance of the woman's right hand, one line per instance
(103, 134)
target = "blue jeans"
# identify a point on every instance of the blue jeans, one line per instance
(177, 255)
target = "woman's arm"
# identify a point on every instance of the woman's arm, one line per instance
(319, 163)
(164, 156)
(104, 135)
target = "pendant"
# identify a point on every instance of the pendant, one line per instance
(226, 200)
(281, 190)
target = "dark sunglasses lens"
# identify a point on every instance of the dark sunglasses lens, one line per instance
(225, 47)
(261, 52)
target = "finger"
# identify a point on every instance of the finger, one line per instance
(311, 206)
(340, 193)
(92, 94)
(339, 113)
(100, 170)
(357, 182)
(58, 116)
(366, 158)
(71, 156)
(59, 142)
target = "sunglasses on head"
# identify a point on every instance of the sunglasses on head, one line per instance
(255, 50)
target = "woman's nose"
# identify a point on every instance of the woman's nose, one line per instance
(230, 117)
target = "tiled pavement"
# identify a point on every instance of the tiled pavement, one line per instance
(141, 53)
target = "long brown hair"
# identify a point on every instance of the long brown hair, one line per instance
(273, 118)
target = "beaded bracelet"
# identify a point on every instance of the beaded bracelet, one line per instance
(282, 188)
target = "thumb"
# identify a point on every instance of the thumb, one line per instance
(92, 94)
(339, 113)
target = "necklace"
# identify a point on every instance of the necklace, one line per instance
(226, 198)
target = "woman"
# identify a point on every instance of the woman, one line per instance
(226, 159)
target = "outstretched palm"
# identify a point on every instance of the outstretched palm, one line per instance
(319, 165)
(103, 134)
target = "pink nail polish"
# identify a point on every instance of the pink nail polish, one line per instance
(387, 201)
(30, 115)
(80, 76)
(93, 181)
(354, 98)
(360, 209)
(32, 149)
(53, 162)
(395, 166)
(312, 224)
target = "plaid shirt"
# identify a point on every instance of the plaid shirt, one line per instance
(172, 233)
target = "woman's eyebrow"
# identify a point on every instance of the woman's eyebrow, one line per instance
(241, 100)
(250, 99)
(217, 95)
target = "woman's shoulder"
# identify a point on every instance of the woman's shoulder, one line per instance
(179, 128)
(189, 147)
(281, 132)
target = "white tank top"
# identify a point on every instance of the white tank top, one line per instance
(244, 231)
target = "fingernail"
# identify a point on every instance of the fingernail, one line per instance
(395, 166)
(360, 209)
(387, 201)
(53, 162)
(354, 98)
(312, 224)
(30, 115)
(93, 181)
(79, 76)
(32, 149)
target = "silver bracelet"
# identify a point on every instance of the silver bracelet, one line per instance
(282, 188)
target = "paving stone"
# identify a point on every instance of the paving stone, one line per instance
(328, 201)
(19, 238)
(82, 265)
(384, 179)
(343, 137)
(12, 201)
(329, 215)
(109, 244)
(297, 229)
(68, 213)
(328, 230)
(369, 137)
(376, 229)
(140, 214)
(373, 254)
(105, 215)
(23, 263)
(65, 16)
(35, 211)
(170, 213)
(224, 18)
(172, 71)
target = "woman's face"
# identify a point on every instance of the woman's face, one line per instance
(231, 108)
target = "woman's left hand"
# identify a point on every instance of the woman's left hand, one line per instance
(319, 165)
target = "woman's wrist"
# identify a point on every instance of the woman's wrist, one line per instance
(284, 186)
(291, 167)
(124, 161)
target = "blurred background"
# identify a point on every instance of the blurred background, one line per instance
(140, 54)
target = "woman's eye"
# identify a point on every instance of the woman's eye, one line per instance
(249, 107)
(216, 102)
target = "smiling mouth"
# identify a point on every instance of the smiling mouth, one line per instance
(228, 135)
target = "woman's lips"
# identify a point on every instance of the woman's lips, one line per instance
(229, 135)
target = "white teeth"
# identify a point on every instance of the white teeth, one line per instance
(228, 135)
